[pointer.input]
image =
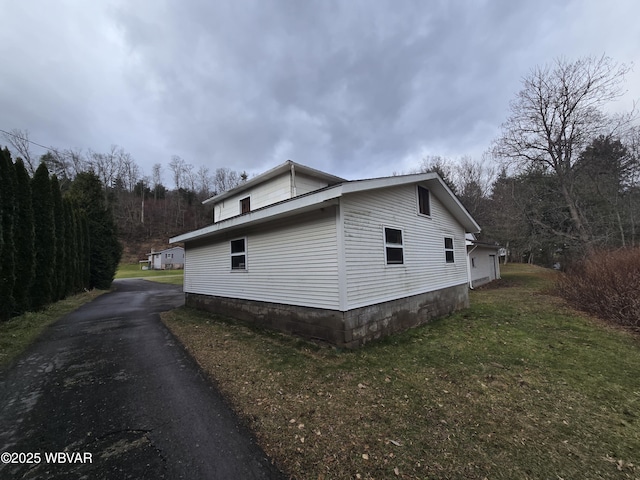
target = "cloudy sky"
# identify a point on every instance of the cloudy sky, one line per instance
(356, 88)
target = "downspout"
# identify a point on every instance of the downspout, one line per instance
(469, 266)
(294, 190)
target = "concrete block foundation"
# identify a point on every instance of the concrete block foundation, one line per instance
(349, 329)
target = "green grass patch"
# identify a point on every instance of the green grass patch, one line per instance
(133, 270)
(517, 386)
(19, 332)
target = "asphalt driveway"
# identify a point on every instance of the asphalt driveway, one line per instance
(107, 392)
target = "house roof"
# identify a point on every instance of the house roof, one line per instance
(471, 241)
(274, 172)
(330, 196)
(165, 250)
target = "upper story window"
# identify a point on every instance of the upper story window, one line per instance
(393, 246)
(424, 203)
(239, 254)
(448, 249)
(245, 205)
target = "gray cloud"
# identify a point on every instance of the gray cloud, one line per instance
(355, 88)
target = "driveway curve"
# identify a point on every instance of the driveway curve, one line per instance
(107, 392)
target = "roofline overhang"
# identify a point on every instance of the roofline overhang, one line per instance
(330, 196)
(274, 172)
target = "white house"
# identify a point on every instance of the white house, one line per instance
(483, 261)
(342, 261)
(171, 258)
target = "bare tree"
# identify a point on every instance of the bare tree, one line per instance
(156, 178)
(473, 181)
(129, 172)
(178, 167)
(189, 177)
(559, 110)
(225, 179)
(19, 141)
(204, 182)
(108, 166)
(442, 166)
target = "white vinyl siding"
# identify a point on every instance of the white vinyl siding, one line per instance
(267, 193)
(369, 280)
(293, 262)
(263, 194)
(306, 184)
(484, 264)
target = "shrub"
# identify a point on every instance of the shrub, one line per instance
(606, 284)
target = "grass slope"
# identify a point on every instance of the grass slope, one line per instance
(517, 386)
(133, 270)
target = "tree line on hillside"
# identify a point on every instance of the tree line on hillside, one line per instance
(563, 179)
(144, 208)
(54, 241)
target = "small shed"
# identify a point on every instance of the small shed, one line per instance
(483, 261)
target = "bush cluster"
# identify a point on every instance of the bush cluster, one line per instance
(606, 284)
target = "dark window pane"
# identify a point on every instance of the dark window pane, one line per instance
(394, 255)
(449, 256)
(448, 243)
(245, 205)
(237, 246)
(238, 262)
(391, 235)
(423, 201)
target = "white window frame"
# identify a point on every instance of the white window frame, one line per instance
(393, 245)
(452, 250)
(418, 187)
(233, 254)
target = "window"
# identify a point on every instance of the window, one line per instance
(448, 249)
(394, 249)
(424, 206)
(245, 205)
(239, 254)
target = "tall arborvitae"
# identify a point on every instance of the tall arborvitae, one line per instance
(23, 237)
(71, 249)
(60, 261)
(7, 253)
(85, 242)
(2, 154)
(41, 288)
(86, 194)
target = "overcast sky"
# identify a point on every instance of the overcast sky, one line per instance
(355, 88)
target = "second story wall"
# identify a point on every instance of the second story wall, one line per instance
(271, 191)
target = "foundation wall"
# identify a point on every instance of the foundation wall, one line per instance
(345, 329)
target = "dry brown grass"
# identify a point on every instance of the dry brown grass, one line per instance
(515, 387)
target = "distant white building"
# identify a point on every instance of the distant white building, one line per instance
(169, 259)
(483, 261)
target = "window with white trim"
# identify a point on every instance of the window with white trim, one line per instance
(239, 254)
(424, 202)
(393, 246)
(448, 250)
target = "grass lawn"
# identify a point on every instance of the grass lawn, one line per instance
(19, 332)
(133, 270)
(518, 386)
